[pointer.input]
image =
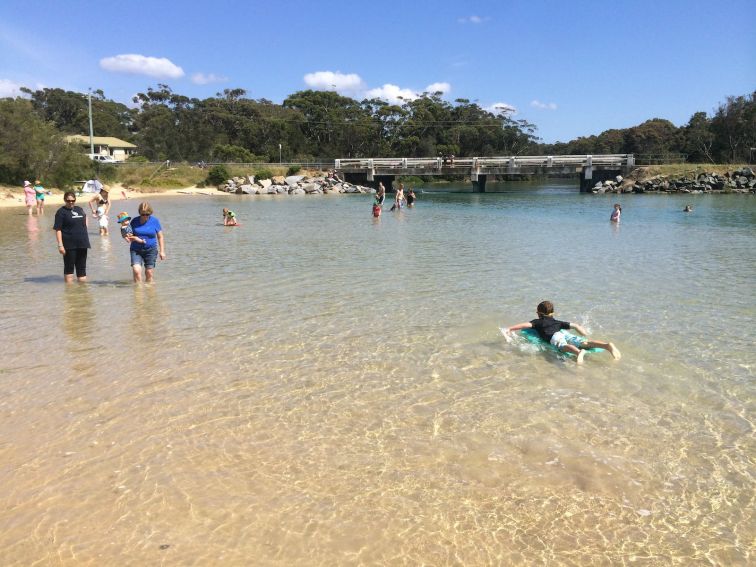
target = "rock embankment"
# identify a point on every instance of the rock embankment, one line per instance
(739, 181)
(292, 185)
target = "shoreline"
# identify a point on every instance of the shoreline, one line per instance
(14, 196)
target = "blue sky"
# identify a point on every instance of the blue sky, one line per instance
(572, 68)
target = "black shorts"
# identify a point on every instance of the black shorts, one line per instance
(75, 258)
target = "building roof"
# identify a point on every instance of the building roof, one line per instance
(109, 141)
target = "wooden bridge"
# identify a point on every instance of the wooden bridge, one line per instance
(592, 168)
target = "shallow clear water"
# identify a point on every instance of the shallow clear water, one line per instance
(318, 387)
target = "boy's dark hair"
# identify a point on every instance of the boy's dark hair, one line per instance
(545, 308)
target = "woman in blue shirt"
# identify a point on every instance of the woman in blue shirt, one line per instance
(147, 228)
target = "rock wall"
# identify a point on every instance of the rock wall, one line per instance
(292, 185)
(739, 181)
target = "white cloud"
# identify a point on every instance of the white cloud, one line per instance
(473, 19)
(203, 79)
(438, 87)
(543, 105)
(158, 67)
(10, 88)
(501, 108)
(392, 94)
(353, 85)
(328, 80)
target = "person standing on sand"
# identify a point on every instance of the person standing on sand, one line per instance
(39, 195)
(70, 228)
(148, 229)
(29, 197)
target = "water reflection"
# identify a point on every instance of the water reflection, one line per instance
(79, 320)
(32, 231)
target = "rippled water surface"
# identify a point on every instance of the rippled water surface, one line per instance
(318, 387)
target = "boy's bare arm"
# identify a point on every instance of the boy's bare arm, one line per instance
(519, 326)
(579, 329)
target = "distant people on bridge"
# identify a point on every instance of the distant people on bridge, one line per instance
(616, 213)
(411, 198)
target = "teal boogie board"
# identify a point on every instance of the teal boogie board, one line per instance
(532, 336)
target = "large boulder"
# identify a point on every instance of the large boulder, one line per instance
(247, 189)
(296, 191)
(294, 179)
(265, 183)
(279, 180)
(311, 188)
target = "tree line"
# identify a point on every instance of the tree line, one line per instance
(322, 125)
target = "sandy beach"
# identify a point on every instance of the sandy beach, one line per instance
(14, 196)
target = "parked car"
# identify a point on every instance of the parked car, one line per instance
(101, 158)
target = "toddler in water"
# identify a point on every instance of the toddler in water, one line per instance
(616, 213)
(550, 329)
(229, 218)
(102, 219)
(126, 231)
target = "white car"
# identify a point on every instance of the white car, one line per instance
(101, 158)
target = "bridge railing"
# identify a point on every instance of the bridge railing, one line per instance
(484, 162)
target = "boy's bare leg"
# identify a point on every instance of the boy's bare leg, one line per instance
(576, 351)
(606, 346)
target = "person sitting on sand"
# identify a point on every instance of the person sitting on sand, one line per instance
(229, 218)
(550, 330)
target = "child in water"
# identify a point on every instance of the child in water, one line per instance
(550, 330)
(102, 219)
(616, 213)
(229, 218)
(126, 231)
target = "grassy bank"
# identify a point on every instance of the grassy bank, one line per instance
(677, 170)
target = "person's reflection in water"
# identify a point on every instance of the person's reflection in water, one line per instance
(79, 324)
(149, 322)
(32, 231)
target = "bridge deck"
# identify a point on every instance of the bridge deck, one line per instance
(480, 165)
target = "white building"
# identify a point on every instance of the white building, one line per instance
(106, 146)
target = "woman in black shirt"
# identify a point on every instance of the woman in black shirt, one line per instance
(73, 241)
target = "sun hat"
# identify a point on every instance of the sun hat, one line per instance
(123, 217)
(27, 184)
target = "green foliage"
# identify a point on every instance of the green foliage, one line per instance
(410, 179)
(231, 153)
(322, 125)
(293, 170)
(32, 148)
(137, 159)
(263, 174)
(217, 174)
